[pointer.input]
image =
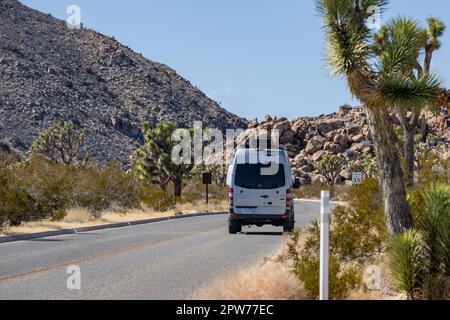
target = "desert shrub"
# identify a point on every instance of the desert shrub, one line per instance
(330, 167)
(41, 189)
(420, 258)
(312, 191)
(431, 168)
(50, 185)
(160, 201)
(270, 281)
(406, 262)
(195, 191)
(7, 155)
(306, 264)
(152, 196)
(355, 236)
(360, 228)
(357, 232)
(15, 203)
(100, 188)
(366, 163)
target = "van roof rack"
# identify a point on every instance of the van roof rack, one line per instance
(268, 145)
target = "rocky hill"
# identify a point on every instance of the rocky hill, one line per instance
(49, 73)
(346, 133)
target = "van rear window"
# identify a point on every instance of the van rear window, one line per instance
(248, 176)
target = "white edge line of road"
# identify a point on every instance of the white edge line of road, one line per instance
(52, 233)
(339, 203)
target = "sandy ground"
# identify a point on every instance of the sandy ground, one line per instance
(77, 218)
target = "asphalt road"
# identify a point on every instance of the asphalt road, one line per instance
(164, 260)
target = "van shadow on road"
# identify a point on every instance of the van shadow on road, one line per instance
(261, 233)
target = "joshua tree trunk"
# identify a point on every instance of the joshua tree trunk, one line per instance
(409, 128)
(396, 206)
(177, 187)
(409, 154)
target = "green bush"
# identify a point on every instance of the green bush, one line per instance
(406, 262)
(420, 258)
(358, 231)
(312, 191)
(306, 264)
(330, 167)
(100, 188)
(158, 200)
(50, 185)
(40, 189)
(15, 203)
(194, 191)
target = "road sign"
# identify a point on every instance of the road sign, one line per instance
(207, 180)
(356, 177)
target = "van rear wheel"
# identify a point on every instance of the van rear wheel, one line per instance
(289, 227)
(234, 228)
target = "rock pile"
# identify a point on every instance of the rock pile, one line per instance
(346, 133)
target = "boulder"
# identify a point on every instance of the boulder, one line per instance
(282, 127)
(342, 140)
(347, 175)
(307, 168)
(350, 155)
(318, 179)
(358, 138)
(254, 124)
(330, 125)
(288, 137)
(301, 160)
(334, 148)
(315, 144)
(268, 118)
(358, 147)
(318, 156)
(297, 125)
(353, 130)
(331, 135)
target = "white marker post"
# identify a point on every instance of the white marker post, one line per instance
(324, 243)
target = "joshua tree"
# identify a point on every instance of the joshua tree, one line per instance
(330, 167)
(428, 43)
(153, 161)
(61, 143)
(382, 83)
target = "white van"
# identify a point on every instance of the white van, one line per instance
(261, 190)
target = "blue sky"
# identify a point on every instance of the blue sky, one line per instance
(256, 57)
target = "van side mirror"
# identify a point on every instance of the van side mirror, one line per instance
(297, 183)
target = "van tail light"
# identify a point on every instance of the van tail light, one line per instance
(289, 198)
(231, 197)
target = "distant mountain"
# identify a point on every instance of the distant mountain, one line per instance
(49, 73)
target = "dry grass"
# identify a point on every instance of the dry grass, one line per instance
(270, 281)
(387, 291)
(79, 217)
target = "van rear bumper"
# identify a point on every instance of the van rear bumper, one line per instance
(262, 219)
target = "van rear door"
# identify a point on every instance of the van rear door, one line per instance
(273, 193)
(247, 189)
